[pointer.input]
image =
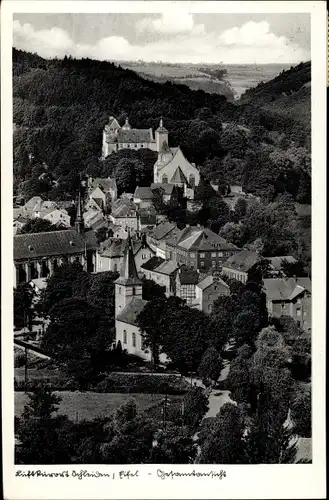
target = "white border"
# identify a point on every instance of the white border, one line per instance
(261, 481)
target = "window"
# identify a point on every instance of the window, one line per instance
(298, 312)
(215, 288)
(192, 255)
(202, 264)
(115, 268)
(209, 307)
(298, 301)
(282, 306)
(202, 255)
(134, 290)
(220, 254)
(120, 289)
(192, 181)
(213, 263)
(134, 339)
(213, 254)
(165, 179)
(124, 336)
(209, 296)
(305, 314)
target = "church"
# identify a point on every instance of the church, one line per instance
(128, 304)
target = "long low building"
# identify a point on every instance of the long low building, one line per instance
(36, 255)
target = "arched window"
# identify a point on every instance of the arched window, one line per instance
(124, 336)
(192, 181)
(115, 268)
(134, 290)
(165, 179)
(134, 339)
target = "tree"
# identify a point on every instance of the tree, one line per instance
(224, 444)
(301, 415)
(38, 431)
(240, 209)
(211, 366)
(292, 269)
(195, 406)
(173, 446)
(23, 300)
(239, 379)
(152, 290)
(40, 226)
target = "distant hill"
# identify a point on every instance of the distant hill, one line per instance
(288, 94)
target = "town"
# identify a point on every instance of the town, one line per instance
(119, 284)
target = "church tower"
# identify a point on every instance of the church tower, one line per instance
(128, 285)
(161, 136)
(79, 222)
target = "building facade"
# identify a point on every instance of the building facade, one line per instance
(111, 253)
(208, 290)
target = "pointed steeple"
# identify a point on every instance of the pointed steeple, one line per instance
(79, 222)
(126, 125)
(128, 271)
(161, 128)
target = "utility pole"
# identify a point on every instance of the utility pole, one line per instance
(25, 371)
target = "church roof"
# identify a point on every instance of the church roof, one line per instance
(178, 177)
(128, 272)
(131, 311)
(47, 244)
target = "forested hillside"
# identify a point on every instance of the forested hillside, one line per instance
(289, 94)
(61, 107)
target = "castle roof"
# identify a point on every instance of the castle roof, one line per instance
(131, 311)
(47, 244)
(286, 288)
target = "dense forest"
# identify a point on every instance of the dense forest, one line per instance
(61, 107)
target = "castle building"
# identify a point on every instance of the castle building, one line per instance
(116, 137)
(128, 304)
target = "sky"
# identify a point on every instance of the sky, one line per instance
(175, 36)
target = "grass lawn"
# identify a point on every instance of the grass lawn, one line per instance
(90, 405)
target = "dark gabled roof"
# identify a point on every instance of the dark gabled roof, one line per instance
(131, 311)
(143, 192)
(133, 135)
(286, 288)
(242, 261)
(47, 244)
(152, 263)
(165, 187)
(187, 276)
(162, 230)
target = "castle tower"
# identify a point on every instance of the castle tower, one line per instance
(161, 136)
(126, 126)
(128, 285)
(79, 222)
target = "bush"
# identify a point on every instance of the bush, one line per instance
(19, 360)
(148, 384)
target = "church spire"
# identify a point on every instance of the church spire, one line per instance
(128, 271)
(79, 222)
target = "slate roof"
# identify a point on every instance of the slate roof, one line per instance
(152, 263)
(106, 184)
(162, 230)
(47, 244)
(178, 177)
(242, 261)
(286, 288)
(115, 247)
(276, 262)
(131, 311)
(167, 188)
(167, 267)
(143, 192)
(209, 280)
(187, 276)
(124, 208)
(128, 271)
(30, 204)
(133, 135)
(199, 238)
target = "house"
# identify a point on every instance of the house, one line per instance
(186, 282)
(28, 208)
(94, 219)
(199, 247)
(93, 204)
(163, 272)
(237, 266)
(111, 253)
(42, 208)
(147, 217)
(56, 216)
(124, 214)
(208, 290)
(19, 223)
(172, 167)
(128, 304)
(157, 238)
(103, 191)
(290, 297)
(116, 137)
(143, 196)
